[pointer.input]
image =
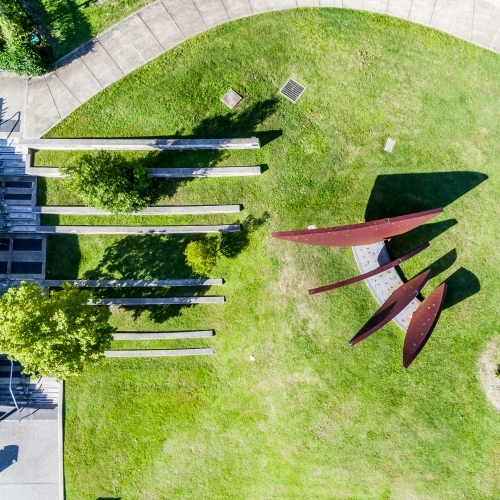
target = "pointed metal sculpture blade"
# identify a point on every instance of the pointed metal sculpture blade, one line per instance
(369, 274)
(422, 324)
(396, 302)
(359, 234)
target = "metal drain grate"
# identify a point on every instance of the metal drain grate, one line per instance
(292, 90)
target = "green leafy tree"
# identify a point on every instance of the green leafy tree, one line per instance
(201, 255)
(109, 181)
(56, 334)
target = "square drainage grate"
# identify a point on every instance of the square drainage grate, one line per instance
(231, 98)
(292, 90)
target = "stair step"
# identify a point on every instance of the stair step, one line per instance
(20, 215)
(22, 229)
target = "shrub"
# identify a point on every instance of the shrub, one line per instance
(110, 181)
(56, 334)
(201, 255)
(17, 52)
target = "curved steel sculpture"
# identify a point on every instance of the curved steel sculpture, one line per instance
(422, 324)
(369, 274)
(393, 306)
(359, 234)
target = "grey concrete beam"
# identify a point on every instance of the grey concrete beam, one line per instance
(168, 210)
(195, 334)
(155, 301)
(230, 228)
(134, 283)
(138, 353)
(140, 144)
(169, 173)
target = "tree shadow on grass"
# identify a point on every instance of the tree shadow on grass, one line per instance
(232, 244)
(63, 23)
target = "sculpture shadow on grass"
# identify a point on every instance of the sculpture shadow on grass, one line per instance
(400, 194)
(462, 284)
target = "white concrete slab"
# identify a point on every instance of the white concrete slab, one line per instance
(79, 80)
(237, 9)
(65, 101)
(101, 65)
(161, 24)
(399, 8)
(12, 105)
(379, 6)
(445, 12)
(120, 49)
(260, 6)
(41, 111)
(186, 15)
(485, 23)
(212, 12)
(462, 25)
(354, 4)
(141, 37)
(285, 4)
(421, 11)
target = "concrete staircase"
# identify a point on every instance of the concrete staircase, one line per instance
(39, 393)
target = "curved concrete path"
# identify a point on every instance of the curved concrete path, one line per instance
(44, 101)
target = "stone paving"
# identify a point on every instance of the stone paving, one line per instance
(44, 101)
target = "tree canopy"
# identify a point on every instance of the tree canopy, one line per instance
(56, 334)
(110, 181)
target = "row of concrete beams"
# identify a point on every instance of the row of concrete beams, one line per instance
(230, 228)
(138, 353)
(112, 283)
(144, 144)
(155, 301)
(168, 172)
(194, 334)
(165, 210)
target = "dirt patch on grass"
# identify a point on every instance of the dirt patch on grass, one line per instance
(489, 365)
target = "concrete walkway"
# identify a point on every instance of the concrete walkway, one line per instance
(43, 102)
(31, 456)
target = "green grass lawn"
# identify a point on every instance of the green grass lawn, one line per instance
(311, 417)
(70, 23)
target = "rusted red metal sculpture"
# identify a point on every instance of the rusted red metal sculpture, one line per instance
(422, 324)
(369, 274)
(360, 234)
(396, 302)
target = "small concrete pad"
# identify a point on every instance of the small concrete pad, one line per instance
(159, 352)
(196, 334)
(65, 101)
(161, 24)
(230, 228)
(462, 26)
(79, 80)
(389, 145)
(354, 4)
(12, 102)
(41, 110)
(101, 65)
(445, 12)
(121, 50)
(237, 9)
(212, 12)
(260, 6)
(379, 6)
(285, 4)
(157, 301)
(141, 37)
(331, 3)
(186, 15)
(231, 98)
(485, 23)
(421, 11)
(399, 8)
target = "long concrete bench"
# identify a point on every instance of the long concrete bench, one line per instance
(154, 301)
(167, 210)
(140, 144)
(133, 283)
(195, 334)
(159, 352)
(168, 172)
(231, 228)
(370, 257)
